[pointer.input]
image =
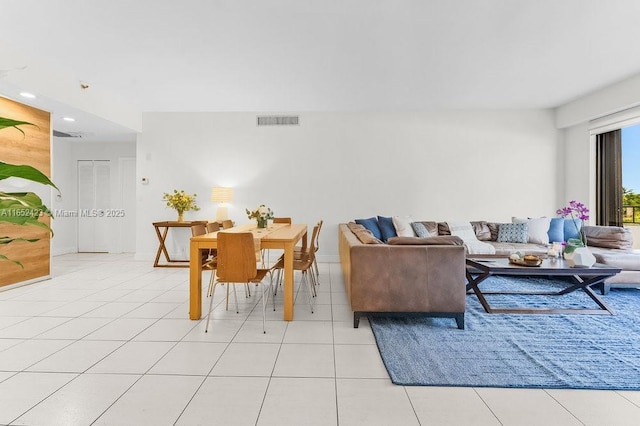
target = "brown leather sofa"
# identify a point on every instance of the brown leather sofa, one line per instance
(425, 276)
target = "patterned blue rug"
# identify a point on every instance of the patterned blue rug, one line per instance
(515, 350)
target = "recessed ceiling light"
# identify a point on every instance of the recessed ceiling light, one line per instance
(27, 95)
(68, 119)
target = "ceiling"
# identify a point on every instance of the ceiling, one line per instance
(324, 55)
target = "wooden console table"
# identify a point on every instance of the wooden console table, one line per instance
(162, 229)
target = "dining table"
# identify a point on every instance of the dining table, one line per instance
(275, 236)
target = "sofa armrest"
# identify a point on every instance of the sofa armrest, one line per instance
(615, 237)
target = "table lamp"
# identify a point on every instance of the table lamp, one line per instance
(222, 195)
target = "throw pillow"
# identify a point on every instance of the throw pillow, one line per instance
(386, 228)
(538, 228)
(420, 230)
(572, 228)
(482, 230)
(372, 225)
(366, 237)
(403, 226)
(513, 233)
(556, 230)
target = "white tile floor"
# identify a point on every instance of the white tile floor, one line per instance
(108, 341)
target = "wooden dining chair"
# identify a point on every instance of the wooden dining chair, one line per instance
(302, 262)
(266, 253)
(237, 264)
(213, 227)
(226, 224)
(298, 250)
(209, 257)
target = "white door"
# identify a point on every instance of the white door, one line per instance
(94, 199)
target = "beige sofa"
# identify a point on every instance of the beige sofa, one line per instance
(425, 276)
(611, 245)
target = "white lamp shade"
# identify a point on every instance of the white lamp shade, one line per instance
(221, 194)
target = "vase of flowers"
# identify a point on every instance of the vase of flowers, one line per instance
(261, 214)
(181, 202)
(576, 211)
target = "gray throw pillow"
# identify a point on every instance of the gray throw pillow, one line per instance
(420, 230)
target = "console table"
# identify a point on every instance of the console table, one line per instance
(162, 229)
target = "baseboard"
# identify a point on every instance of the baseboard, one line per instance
(59, 251)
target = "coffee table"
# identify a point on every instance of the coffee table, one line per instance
(479, 269)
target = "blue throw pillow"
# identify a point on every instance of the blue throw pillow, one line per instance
(572, 228)
(372, 225)
(556, 230)
(386, 228)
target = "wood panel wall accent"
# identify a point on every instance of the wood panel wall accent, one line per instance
(32, 148)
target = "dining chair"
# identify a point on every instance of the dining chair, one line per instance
(226, 224)
(302, 262)
(209, 257)
(266, 253)
(298, 250)
(213, 227)
(238, 264)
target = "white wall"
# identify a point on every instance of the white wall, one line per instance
(454, 165)
(66, 153)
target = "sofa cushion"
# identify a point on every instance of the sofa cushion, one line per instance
(482, 230)
(403, 226)
(420, 230)
(572, 228)
(513, 233)
(537, 230)
(444, 240)
(366, 237)
(443, 228)
(432, 227)
(494, 227)
(372, 225)
(614, 237)
(386, 227)
(556, 230)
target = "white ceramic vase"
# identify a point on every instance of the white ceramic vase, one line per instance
(580, 258)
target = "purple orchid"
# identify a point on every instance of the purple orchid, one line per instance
(576, 210)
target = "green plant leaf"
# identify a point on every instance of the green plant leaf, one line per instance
(24, 172)
(3, 257)
(23, 208)
(8, 122)
(7, 240)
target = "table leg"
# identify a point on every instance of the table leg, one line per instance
(195, 282)
(288, 282)
(472, 284)
(161, 248)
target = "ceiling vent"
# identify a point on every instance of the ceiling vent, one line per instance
(278, 120)
(59, 134)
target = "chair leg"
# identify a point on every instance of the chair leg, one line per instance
(315, 266)
(211, 281)
(309, 290)
(235, 297)
(213, 290)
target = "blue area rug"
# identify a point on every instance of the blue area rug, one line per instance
(514, 350)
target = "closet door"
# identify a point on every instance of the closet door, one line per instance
(94, 198)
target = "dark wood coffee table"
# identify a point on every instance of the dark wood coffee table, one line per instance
(479, 269)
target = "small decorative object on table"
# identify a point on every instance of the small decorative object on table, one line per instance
(261, 214)
(576, 252)
(519, 258)
(181, 202)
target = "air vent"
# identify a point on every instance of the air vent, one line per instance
(59, 134)
(278, 120)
